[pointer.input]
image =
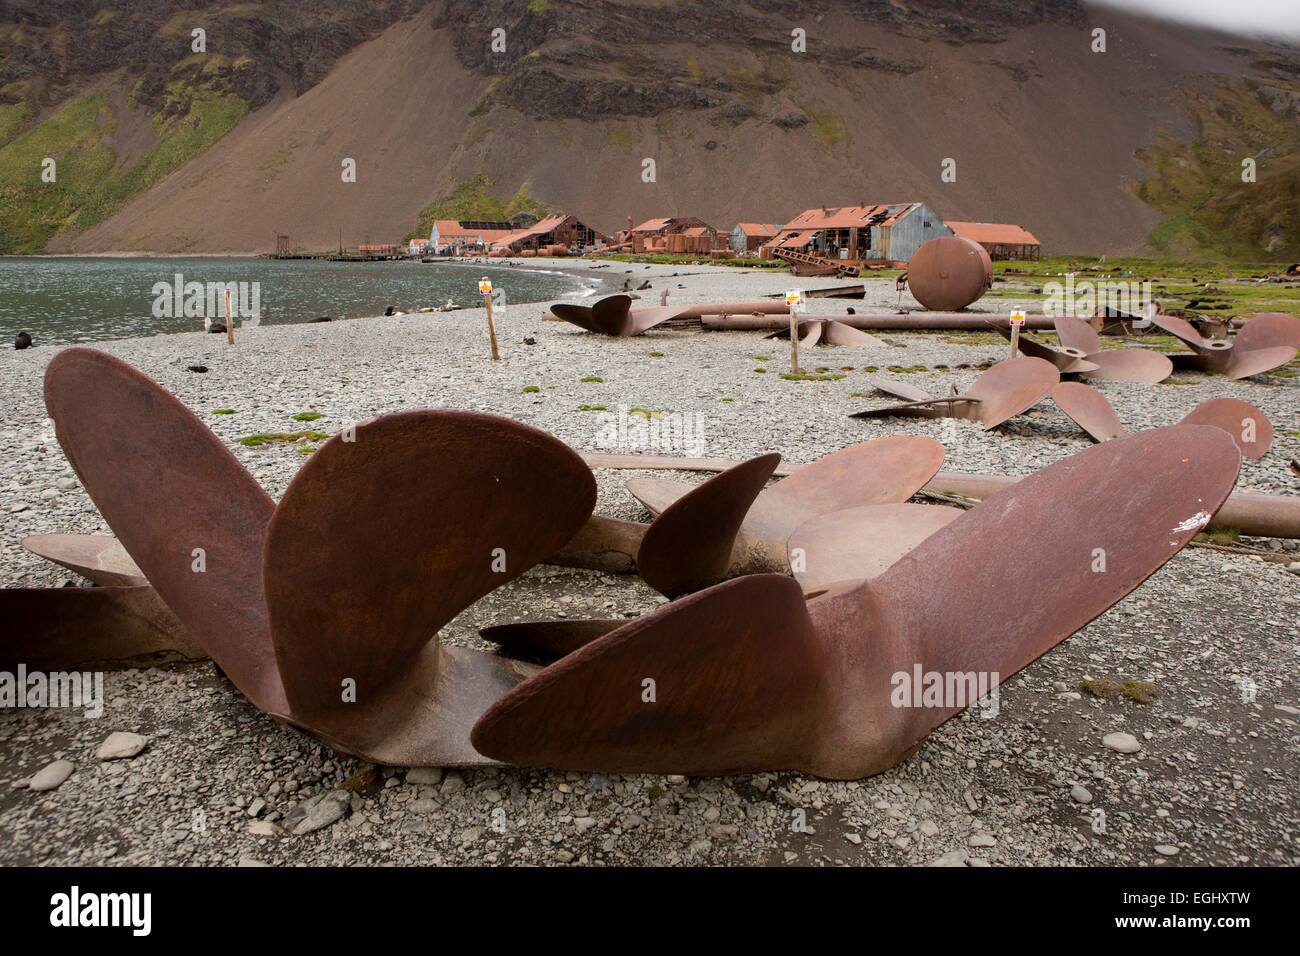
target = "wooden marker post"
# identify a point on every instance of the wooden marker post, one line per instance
(792, 300)
(230, 322)
(1017, 322)
(485, 289)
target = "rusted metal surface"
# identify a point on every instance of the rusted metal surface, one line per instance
(748, 676)
(1269, 330)
(1089, 409)
(1130, 365)
(1248, 426)
(761, 307)
(1068, 361)
(909, 321)
(57, 628)
(1250, 512)
(1075, 333)
(1122, 365)
(903, 390)
(96, 557)
(1262, 351)
(550, 638)
(688, 547)
(884, 471)
(860, 543)
(830, 331)
(168, 487)
(602, 544)
(948, 273)
(614, 315)
(379, 542)
(1002, 392)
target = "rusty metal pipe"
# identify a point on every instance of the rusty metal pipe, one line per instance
(915, 321)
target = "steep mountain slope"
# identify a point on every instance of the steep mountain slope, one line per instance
(1094, 152)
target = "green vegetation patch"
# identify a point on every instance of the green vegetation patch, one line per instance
(591, 378)
(805, 377)
(1103, 687)
(223, 411)
(592, 408)
(266, 438)
(306, 416)
(531, 388)
(1141, 691)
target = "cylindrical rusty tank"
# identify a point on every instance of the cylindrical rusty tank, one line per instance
(528, 253)
(557, 249)
(947, 274)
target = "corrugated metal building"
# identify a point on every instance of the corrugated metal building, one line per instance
(890, 231)
(749, 236)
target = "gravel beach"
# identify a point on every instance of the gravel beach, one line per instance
(1216, 780)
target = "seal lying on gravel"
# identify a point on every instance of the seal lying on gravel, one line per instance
(324, 610)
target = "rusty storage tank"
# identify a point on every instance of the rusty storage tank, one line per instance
(948, 273)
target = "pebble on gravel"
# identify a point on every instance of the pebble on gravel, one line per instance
(316, 813)
(1122, 742)
(52, 775)
(121, 745)
(1080, 794)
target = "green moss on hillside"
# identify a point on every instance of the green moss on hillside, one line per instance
(1197, 184)
(470, 199)
(90, 182)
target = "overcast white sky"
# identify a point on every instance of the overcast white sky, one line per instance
(1277, 17)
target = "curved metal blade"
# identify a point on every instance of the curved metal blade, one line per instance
(98, 557)
(1011, 387)
(884, 471)
(1132, 504)
(905, 391)
(1089, 410)
(55, 628)
(723, 680)
(1075, 333)
(1180, 328)
(813, 334)
(552, 638)
(1244, 364)
(860, 543)
(657, 493)
(1130, 365)
(746, 676)
(609, 316)
(1249, 427)
(640, 320)
(1065, 362)
(838, 333)
(178, 500)
(1268, 330)
(688, 547)
(810, 332)
(379, 542)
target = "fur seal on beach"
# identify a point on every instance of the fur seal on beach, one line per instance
(22, 341)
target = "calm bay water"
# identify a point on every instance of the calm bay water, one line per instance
(62, 300)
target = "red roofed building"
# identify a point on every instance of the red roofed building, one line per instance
(888, 232)
(1000, 240)
(553, 231)
(680, 235)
